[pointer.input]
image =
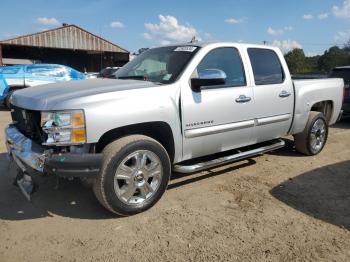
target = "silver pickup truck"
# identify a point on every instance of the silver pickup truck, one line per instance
(171, 109)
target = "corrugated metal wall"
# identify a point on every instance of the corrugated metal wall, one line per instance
(68, 37)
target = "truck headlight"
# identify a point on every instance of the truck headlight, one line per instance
(64, 127)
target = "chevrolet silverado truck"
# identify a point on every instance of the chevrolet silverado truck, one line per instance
(179, 108)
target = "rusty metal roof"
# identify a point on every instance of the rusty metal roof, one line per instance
(67, 37)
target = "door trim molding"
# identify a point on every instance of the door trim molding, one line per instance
(273, 119)
(210, 130)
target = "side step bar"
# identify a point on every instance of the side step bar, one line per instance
(186, 169)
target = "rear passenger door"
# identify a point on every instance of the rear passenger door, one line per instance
(273, 94)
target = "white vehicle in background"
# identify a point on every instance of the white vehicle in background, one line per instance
(91, 75)
(168, 108)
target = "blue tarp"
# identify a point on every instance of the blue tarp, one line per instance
(4, 88)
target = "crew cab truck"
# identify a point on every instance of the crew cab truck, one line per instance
(171, 109)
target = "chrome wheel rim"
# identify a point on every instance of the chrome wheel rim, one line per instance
(138, 177)
(318, 135)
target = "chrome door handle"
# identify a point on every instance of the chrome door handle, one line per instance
(284, 93)
(243, 99)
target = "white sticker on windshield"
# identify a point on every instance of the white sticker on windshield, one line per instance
(185, 48)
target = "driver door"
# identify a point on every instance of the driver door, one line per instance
(218, 118)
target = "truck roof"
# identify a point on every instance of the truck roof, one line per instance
(203, 44)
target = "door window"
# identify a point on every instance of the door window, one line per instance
(228, 60)
(46, 71)
(41, 71)
(266, 65)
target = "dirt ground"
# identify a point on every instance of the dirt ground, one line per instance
(278, 207)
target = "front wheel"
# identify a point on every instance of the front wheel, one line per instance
(314, 137)
(134, 175)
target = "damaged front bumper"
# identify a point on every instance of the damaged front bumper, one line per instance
(33, 158)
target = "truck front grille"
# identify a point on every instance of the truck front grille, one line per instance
(28, 123)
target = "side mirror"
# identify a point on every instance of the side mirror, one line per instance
(208, 77)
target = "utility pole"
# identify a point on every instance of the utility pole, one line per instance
(1, 55)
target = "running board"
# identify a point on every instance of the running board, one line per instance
(186, 169)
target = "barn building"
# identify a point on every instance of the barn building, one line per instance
(68, 45)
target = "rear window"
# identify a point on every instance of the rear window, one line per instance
(267, 68)
(341, 73)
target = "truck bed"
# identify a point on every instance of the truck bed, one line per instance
(308, 92)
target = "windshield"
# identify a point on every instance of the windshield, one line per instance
(163, 64)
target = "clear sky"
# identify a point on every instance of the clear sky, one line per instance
(314, 25)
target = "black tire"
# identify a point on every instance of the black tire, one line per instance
(7, 99)
(113, 155)
(302, 141)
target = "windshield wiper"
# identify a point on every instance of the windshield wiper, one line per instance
(142, 78)
(133, 77)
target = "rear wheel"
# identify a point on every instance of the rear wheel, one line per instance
(314, 137)
(134, 175)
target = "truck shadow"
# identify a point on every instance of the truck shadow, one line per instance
(344, 123)
(71, 199)
(322, 193)
(287, 150)
(4, 108)
(178, 179)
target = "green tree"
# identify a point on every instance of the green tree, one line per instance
(334, 57)
(312, 62)
(297, 61)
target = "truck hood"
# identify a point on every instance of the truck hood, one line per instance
(45, 96)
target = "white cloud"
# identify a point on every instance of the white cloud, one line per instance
(308, 17)
(343, 11)
(234, 21)
(117, 24)
(312, 53)
(169, 30)
(323, 16)
(272, 31)
(47, 21)
(286, 45)
(147, 36)
(342, 37)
